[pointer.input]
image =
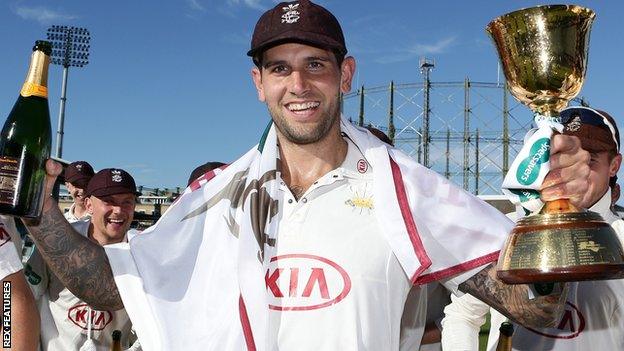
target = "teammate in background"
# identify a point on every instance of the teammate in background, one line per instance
(593, 316)
(615, 192)
(301, 69)
(67, 322)
(24, 318)
(203, 169)
(77, 176)
(379, 134)
(437, 298)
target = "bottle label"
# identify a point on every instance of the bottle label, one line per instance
(31, 89)
(9, 169)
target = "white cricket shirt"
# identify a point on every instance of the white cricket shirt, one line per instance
(71, 217)
(64, 317)
(333, 282)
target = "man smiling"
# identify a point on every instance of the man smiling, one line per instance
(68, 323)
(313, 239)
(77, 176)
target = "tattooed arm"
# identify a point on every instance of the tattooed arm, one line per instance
(567, 179)
(80, 264)
(513, 300)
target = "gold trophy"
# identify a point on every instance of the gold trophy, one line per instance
(543, 51)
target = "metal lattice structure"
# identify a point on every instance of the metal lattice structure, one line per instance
(468, 131)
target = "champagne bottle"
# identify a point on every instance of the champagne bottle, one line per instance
(504, 340)
(25, 141)
(116, 346)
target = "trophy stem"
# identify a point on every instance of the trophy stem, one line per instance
(559, 206)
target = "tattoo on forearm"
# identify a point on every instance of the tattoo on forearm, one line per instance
(513, 300)
(80, 264)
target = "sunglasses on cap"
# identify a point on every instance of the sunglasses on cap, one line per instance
(589, 116)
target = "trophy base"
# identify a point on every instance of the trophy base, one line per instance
(575, 273)
(561, 247)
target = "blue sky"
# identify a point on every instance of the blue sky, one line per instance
(168, 85)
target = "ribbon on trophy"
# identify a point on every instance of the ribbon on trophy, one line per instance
(530, 167)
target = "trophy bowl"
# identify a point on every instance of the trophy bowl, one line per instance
(543, 51)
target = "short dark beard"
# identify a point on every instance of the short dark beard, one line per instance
(327, 122)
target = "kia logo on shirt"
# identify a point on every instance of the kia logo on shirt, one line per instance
(571, 325)
(301, 282)
(362, 166)
(79, 315)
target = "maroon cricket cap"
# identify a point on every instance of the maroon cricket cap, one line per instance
(202, 169)
(595, 128)
(380, 135)
(79, 173)
(111, 181)
(297, 22)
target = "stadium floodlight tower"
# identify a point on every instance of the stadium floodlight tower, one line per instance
(426, 66)
(70, 48)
